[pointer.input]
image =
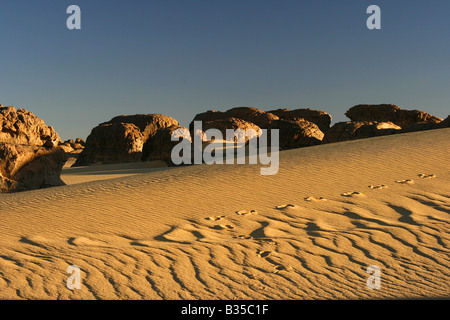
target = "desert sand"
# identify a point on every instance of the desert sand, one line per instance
(226, 232)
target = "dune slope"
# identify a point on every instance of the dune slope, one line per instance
(226, 232)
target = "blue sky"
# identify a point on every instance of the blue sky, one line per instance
(183, 57)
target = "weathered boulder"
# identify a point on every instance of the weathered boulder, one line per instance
(320, 118)
(73, 149)
(256, 116)
(66, 146)
(29, 158)
(28, 167)
(122, 138)
(389, 113)
(444, 123)
(23, 127)
(343, 131)
(251, 130)
(297, 133)
(421, 126)
(112, 143)
(80, 142)
(249, 114)
(72, 145)
(148, 124)
(209, 115)
(159, 146)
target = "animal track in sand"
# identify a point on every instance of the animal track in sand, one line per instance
(268, 241)
(263, 254)
(405, 181)
(243, 237)
(225, 226)
(284, 206)
(314, 199)
(279, 267)
(267, 255)
(380, 186)
(246, 212)
(215, 218)
(426, 176)
(354, 194)
(83, 241)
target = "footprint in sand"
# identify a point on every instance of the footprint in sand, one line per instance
(243, 237)
(246, 212)
(284, 206)
(277, 266)
(280, 267)
(82, 241)
(224, 227)
(314, 199)
(354, 194)
(380, 186)
(217, 218)
(405, 181)
(269, 241)
(263, 254)
(426, 176)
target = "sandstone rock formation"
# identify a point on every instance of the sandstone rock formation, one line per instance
(249, 114)
(421, 126)
(148, 124)
(444, 123)
(343, 131)
(232, 123)
(297, 133)
(298, 128)
(389, 113)
(80, 141)
(28, 167)
(112, 143)
(256, 116)
(159, 146)
(122, 138)
(23, 127)
(28, 156)
(320, 118)
(72, 146)
(73, 149)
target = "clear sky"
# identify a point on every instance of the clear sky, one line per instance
(182, 57)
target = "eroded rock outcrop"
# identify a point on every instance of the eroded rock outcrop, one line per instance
(148, 124)
(160, 145)
(122, 138)
(298, 128)
(23, 127)
(256, 116)
(29, 167)
(320, 118)
(389, 113)
(251, 130)
(73, 146)
(29, 158)
(248, 114)
(422, 126)
(444, 123)
(297, 133)
(343, 131)
(112, 143)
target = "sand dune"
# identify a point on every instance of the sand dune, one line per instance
(227, 232)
